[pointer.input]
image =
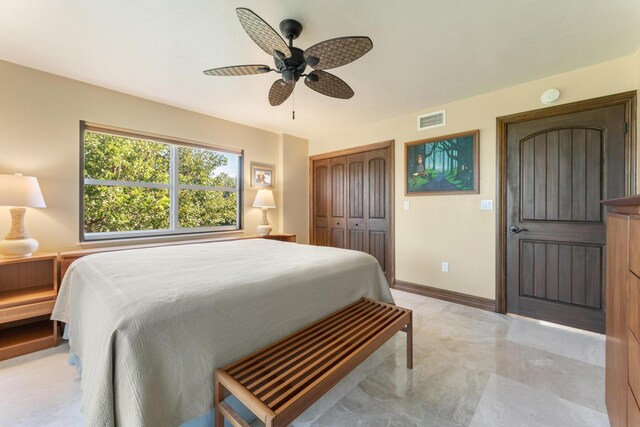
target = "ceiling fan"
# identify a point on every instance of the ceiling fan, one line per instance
(291, 62)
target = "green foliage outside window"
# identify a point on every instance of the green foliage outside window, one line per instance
(116, 158)
(118, 208)
(206, 208)
(199, 208)
(108, 209)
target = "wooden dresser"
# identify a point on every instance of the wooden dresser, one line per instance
(623, 312)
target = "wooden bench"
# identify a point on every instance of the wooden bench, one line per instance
(280, 381)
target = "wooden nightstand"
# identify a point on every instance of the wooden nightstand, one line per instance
(284, 237)
(28, 290)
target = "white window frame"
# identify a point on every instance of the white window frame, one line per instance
(173, 186)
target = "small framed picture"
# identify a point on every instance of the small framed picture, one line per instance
(262, 175)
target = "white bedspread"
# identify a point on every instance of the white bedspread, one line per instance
(151, 325)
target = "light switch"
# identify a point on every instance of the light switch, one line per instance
(445, 267)
(407, 205)
(486, 205)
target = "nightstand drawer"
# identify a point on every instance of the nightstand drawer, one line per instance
(26, 311)
(281, 237)
(634, 244)
(634, 364)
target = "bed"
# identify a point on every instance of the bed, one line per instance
(149, 326)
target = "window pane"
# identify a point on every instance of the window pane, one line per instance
(109, 209)
(198, 208)
(208, 168)
(117, 158)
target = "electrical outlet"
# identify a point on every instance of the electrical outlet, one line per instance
(445, 267)
(407, 205)
(486, 205)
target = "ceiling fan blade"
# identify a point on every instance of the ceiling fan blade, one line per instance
(328, 84)
(238, 70)
(280, 91)
(337, 52)
(261, 32)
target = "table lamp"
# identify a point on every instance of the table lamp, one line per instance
(19, 192)
(264, 200)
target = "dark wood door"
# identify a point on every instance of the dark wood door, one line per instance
(379, 204)
(352, 203)
(358, 195)
(329, 207)
(338, 211)
(368, 205)
(321, 202)
(558, 171)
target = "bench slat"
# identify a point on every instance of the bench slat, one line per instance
(294, 407)
(281, 380)
(317, 327)
(358, 334)
(327, 339)
(304, 345)
(321, 366)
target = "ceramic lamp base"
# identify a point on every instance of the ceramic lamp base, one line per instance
(18, 248)
(264, 230)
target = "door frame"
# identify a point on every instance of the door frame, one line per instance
(390, 146)
(628, 99)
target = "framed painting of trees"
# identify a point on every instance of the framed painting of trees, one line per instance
(443, 165)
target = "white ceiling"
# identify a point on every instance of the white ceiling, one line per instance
(426, 52)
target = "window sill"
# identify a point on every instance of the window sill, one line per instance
(177, 239)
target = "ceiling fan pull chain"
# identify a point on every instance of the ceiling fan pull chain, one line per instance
(293, 113)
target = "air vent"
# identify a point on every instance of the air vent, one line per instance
(432, 120)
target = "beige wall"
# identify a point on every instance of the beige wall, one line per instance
(294, 154)
(39, 135)
(452, 228)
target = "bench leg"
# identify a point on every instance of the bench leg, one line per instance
(218, 398)
(409, 330)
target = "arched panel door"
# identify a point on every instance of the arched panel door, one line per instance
(357, 202)
(321, 202)
(378, 201)
(369, 205)
(338, 215)
(353, 202)
(558, 171)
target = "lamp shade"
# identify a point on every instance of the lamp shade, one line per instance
(264, 199)
(20, 191)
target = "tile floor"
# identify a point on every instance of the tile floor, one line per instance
(471, 368)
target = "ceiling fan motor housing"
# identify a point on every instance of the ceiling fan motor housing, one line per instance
(292, 67)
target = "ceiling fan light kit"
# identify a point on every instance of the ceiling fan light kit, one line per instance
(291, 62)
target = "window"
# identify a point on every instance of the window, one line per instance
(136, 186)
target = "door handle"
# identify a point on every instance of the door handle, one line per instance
(514, 229)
